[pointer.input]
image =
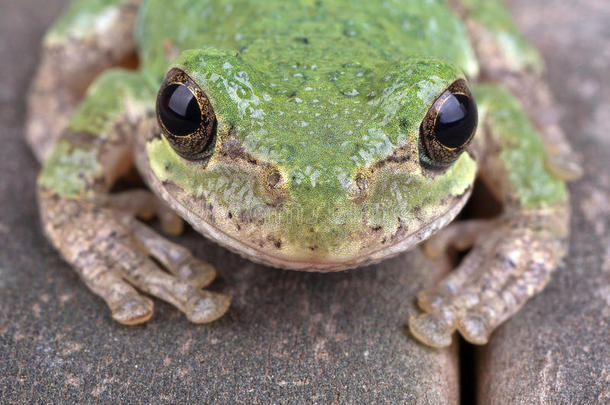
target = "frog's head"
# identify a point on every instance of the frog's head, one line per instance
(321, 166)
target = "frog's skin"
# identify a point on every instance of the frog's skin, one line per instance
(317, 160)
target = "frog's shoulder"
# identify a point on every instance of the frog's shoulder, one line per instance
(88, 18)
(498, 42)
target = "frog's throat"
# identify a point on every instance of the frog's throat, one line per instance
(268, 258)
(324, 264)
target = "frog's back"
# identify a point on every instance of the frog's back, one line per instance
(312, 31)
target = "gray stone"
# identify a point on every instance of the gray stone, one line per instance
(289, 337)
(557, 349)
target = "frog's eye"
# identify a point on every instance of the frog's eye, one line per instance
(186, 116)
(449, 125)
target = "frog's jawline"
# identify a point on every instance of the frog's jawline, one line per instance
(251, 253)
(369, 258)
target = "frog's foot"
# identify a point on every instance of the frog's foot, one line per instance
(460, 236)
(563, 165)
(505, 268)
(178, 260)
(113, 253)
(145, 205)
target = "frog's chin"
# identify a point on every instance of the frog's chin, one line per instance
(315, 263)
(311, 261)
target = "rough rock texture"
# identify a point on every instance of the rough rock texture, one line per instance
(557, 349)
(305, 338)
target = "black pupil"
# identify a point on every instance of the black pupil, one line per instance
(179, 110)
(456, 120)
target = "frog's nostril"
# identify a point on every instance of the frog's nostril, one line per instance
(275, 186)
(362, 182)
(274, 179)
(362, 187)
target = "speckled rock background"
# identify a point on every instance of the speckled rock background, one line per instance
(309, 338)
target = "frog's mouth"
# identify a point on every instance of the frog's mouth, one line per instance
(375, 252)
(374, 255)
(315, 263)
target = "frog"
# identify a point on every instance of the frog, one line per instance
(304, 135)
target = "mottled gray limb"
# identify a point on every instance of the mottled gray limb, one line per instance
(67, 67)
(504, 269)
(175, 258)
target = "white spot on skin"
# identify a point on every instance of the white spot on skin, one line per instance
(238, 91)
(257, 114)
(429, 89)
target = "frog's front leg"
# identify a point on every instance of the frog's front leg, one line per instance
(506, 57)
(109, 248)
(512, 256)
(89, 38)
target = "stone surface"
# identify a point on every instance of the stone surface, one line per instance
(557, 349)
(289, 337)
(307, 338)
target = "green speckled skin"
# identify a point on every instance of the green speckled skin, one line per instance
(535, 186)
(317, 161)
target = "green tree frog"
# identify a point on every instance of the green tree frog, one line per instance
(302, 134)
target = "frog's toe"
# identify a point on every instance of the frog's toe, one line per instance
(198, 305)
(441, 295)
(434, 329)
(104, 278)
(474, 328)
(175, 258)
(133, 311)
(180, 285)
(564, 166)
(430, 300)
(197, 273)
(207, 307)
(171, 223)
(459, 235)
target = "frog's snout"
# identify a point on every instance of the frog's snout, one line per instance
(361, 186)
(274, 186)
